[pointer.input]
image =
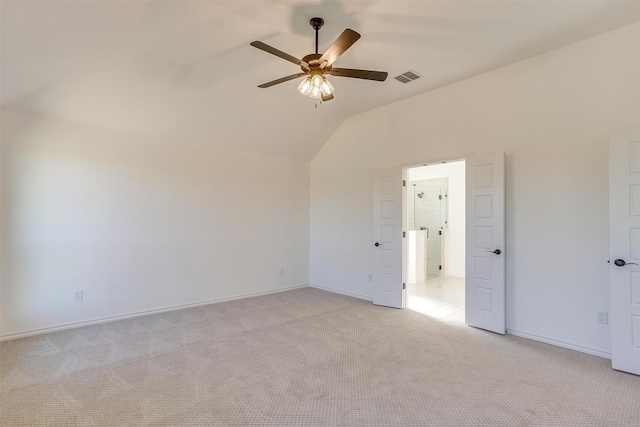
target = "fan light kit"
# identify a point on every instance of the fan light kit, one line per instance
(315, 66)
(316, 86)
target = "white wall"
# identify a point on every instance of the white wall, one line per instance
(455, 173)
(139, 224)
(552, 116)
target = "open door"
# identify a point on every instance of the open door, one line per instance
(388, 288)
(624, 247)
(485, 243)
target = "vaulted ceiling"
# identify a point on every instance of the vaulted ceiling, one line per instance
(184, 70)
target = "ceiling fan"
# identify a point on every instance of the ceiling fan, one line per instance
(316, 65)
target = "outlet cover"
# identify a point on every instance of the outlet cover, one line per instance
(602, 317)
(77, 295)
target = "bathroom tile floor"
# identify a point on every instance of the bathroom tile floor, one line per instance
(441, 298)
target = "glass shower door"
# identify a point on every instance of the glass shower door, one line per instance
(428, 211)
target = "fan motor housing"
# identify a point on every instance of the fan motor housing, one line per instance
(312, 60)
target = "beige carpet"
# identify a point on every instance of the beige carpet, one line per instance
(302, 358)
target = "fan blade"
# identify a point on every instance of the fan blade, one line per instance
(281, 80)
(327, 98)
(279, 53)
(379, 76)
(342, 43)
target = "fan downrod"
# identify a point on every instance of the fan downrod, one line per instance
(316, 23)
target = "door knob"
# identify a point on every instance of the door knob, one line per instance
(376, 244)
(621, 263)
(497, 251)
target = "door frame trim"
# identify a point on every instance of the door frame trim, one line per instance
(437, 160)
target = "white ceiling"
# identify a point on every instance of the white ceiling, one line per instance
(184, 70)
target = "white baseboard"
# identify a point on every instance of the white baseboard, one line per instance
(563, 344)
(141, 313)
(341, 292)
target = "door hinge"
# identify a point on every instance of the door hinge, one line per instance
(439, 267)
(440, 232)
(440, 197)
(404, 182)
(404, 234)
(404, 286)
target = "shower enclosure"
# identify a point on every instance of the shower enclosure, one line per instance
(428, 210)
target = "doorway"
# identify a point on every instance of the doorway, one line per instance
(435, 252)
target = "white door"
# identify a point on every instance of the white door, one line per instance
(624, 244)
(387, 232)
(485, 248)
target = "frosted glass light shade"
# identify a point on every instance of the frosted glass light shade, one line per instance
(305, 86)
(315, 92)
(326, 87)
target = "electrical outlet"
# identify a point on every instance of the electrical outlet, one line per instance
(282, 271)
(602, 317)
(77, 295)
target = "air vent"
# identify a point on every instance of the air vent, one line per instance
(408, 76)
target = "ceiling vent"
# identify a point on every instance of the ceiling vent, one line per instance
(407, 77)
